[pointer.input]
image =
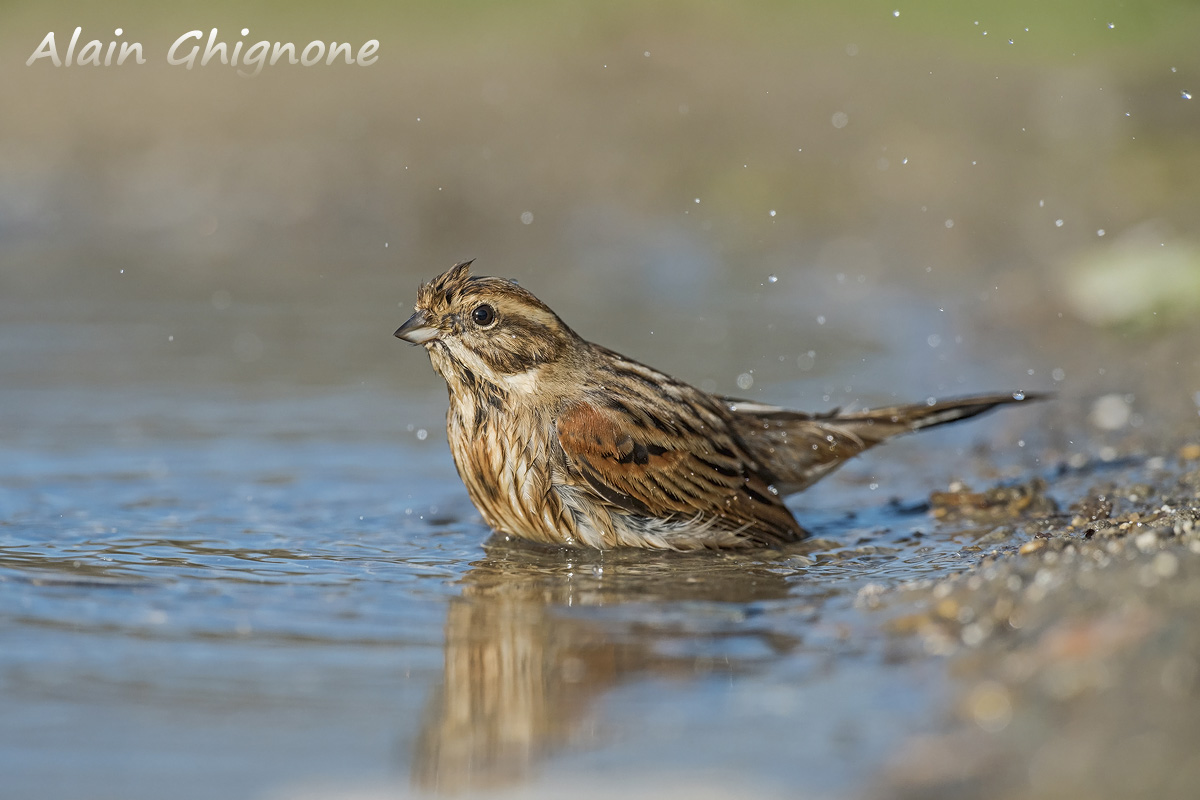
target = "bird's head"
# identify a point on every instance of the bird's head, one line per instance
(490, 327)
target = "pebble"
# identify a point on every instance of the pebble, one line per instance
(1166, 564)
(948, 609)
(1146, 541)
(990, 706)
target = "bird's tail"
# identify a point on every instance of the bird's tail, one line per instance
(801, 448)
(883, 423)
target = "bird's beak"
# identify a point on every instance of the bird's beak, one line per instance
(417, 330)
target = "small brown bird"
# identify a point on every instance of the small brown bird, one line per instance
(565, 442)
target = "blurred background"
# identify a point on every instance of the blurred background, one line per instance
(807, 204)
(947, 196)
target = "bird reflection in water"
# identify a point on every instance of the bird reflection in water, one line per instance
(538, 634)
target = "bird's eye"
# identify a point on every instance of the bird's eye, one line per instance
(484, 315)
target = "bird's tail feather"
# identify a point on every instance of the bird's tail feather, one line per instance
(883, 423)
(801, 448)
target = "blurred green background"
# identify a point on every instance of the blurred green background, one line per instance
(936, 175)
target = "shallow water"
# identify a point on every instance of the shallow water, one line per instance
(240, 592)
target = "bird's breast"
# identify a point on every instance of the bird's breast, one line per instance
(504, 457)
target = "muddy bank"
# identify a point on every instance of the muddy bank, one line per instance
(1072, 641)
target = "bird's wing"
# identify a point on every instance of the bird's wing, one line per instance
(651, 472)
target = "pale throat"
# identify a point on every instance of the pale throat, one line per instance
(450, 366)
(527, 382)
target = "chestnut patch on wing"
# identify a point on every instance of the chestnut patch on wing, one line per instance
(597, 435)
(614, 463)
(650, 474)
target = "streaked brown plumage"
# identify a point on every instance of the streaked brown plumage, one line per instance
(565, 442)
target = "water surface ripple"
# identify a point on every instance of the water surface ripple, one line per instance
(237, 594)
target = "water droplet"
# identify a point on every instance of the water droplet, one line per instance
(1186, 95)
(771, 212)
(1018, 395)
(1112, 25)
(1059, 374)
(1058, 223)
(933, 340)
(1100, 232)
(896, 13)
(745, 381)
(527, 217)
(697, 200)
(422, 434)
(820, 319)
(840, 119)
(772, 278)
(949, 223)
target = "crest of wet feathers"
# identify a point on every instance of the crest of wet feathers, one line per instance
(565, 442)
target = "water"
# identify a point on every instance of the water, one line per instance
(241, 591)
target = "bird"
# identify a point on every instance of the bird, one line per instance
(564, 442)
